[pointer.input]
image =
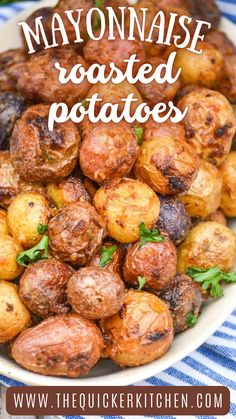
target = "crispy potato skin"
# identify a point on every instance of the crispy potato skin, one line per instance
(152, 130)
(183, 296)
(40, 155)
(3, 223)
(221, 42)
(9, 180)
(14, 316)
(209, 124)
(117, 261)
(203, 197)
(45, 13)
(140, 333)
(65, 345)
(67, 191)
(218, 216)
(25, 213)
(95, 293)
(167, 164)
(228, 195)
(208, 245)
(76, 233)
(203, 69)
(155, 261)
(108, 150)
(33, 84)
(123, 204)
(9, 250)
(173, 219)
(8, 60)
(227, 85)
(11, 108)
(43, 287)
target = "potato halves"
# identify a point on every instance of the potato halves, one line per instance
(228, 195)
(9, 250)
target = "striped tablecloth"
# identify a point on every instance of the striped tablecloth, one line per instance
(214, 363)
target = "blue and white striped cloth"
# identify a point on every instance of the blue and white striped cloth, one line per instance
(214, 363)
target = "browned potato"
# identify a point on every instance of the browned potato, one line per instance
(110, 257)
(228, 195)
(33, 84)
(227, 85)
(152, 130)
(9, 180)
(9, 250)
(41, 155)
(67, 191)
(221, 42)
(208, 245)
(156, 262)
(167, 164)
(3, 223)
(218, 217)
(76, 233)
(25, 213)
(123, 205)
(45, 14)
(203, 197)
(95, 293)
(43, 287)
(140, 333)
(8, 60)
(183, 297)
(204, 69)
(209, 124)
(14, 316)
(108, 150)
(64, 345)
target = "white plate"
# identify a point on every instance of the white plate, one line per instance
(106, 372)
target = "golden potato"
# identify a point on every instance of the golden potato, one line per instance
(26, 212)
(203, 197)
(217, 216)
(221, 42)
(209, 124)
(67, 191)
(125, 204)
(203, 69)
(167, 164)
(3, 223)
(152, 129)
(14, 316)
(227, 85)
(9, 180)
(9, 250)
(228, 195)
(208, 245)
(140, 333)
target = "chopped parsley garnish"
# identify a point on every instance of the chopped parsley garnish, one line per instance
(139, 134)
(99, 4)
(42, 228)
(210, 279)
(106, 255)
(149, 236)
(40, 251)
(191, 320)
(141, 282)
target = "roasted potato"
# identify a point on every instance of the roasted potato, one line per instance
(11, 108)
(209, 124)
(3, 223)
(43, 287)
(208, 245)
(123, 204)
(173, 219)
(25, 213)
(14, 316)
(9, 180)
(203, 197)
(203, 69)
(152, 130)
(64, 345)
(156, 262)
(9, 250)
(40, 155)
(167, 164)
(95, 293)
(67, 191)
(108, 150)
(140, 333)
(110, 257)
(227, 84)
(76, 233)
(218, 216)
(228, 195)
(9, 60)
(45, 14)
(183, 297)
(221, 42)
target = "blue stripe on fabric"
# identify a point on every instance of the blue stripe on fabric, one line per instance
(224, 335)
(230, 325)
(183, 377)
(230, 17)
(155, 381)
(214, 356)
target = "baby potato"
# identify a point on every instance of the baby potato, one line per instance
(140, 333)
(209, 124)
(9, 250)
(3, 223)
(44, 13)
(203, 197)
(203, 69)
(110, 257)
(14, 316)
(43, 287)
(218, 216)
(25, 213)
(221, 42)
(8, 60)
(123, 204)
(95, 293)
(64, 345)
(183, 297)
(156, 262)
(167, 164)
(227, 84)
(11, 108)
(76, 233)
(108, 150)
(67, 191)
(228, 195)
(9, 180)
(152, 130)
(208, 245)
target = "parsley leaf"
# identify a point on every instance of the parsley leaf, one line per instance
(106, 255)
(97, 21)
(85, 104)
(42, 228)
(141, 281)
(210, 279)
(139, 134)
(149, 236)
(40, 251)
(191, 320)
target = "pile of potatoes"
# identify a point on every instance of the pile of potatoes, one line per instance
(99, 223)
